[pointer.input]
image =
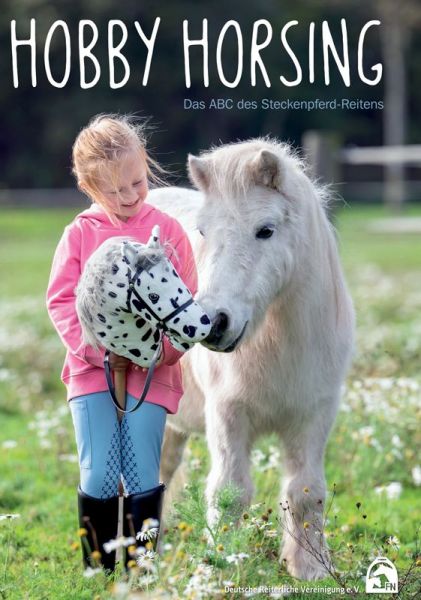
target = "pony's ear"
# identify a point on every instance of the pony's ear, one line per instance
(267, 170)
(198, 171)
(129, 253)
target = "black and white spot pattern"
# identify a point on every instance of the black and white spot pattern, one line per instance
(125, 321)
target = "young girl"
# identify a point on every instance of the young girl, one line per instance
(112, 167)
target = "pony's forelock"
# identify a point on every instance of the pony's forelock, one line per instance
(229, 167)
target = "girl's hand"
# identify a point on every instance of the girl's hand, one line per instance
(118, 363)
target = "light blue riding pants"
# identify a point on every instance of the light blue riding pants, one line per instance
(109, 450)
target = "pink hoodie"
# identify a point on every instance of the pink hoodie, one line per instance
(83, 371)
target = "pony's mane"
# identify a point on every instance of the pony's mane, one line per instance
(230, 166)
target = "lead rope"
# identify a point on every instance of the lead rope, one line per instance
(146, 387)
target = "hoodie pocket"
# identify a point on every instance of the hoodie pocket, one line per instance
(80, 418)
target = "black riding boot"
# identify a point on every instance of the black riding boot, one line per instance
(100, 519)
(138, 508)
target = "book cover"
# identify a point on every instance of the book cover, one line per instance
(285, 116)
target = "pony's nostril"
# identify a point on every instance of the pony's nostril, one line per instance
(221, 323)
(219, 326)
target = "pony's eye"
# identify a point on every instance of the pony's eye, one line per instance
(201, 232)
(264, 233)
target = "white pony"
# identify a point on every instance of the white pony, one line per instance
(282, 335)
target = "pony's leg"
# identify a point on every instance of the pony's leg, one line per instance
(229, 443)
(303, 498)
(170, 473)
(172, 452)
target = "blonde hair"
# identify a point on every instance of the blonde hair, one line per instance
(99, 147)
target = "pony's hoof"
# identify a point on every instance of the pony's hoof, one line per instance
(302, 565)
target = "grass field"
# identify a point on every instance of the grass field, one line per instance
(373, 469)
